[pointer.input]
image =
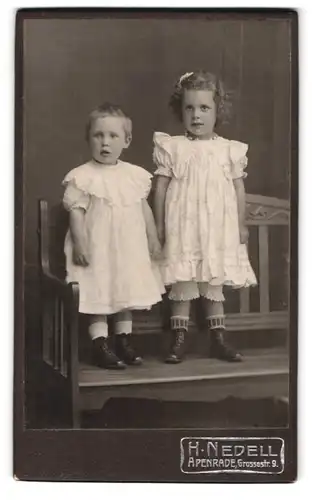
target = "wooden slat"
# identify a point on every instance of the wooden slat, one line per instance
(43, 233)
(62, 338)
(264, 268)
(72, 352)
(267, 201)
(56, 334)
(265, 222)
(275, 320)
(47, 329)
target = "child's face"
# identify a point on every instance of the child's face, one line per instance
(199, 113)
(107, 139)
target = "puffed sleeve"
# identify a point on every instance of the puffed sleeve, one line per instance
(163, 154)
(73, 196)
(239, 160)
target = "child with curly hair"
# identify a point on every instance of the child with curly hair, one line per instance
(199, 209)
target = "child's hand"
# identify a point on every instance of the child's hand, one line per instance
(243, 234)
(155, 249)
(80, 257)
(161, 234)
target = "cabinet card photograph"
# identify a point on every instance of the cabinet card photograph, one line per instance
(156, 193)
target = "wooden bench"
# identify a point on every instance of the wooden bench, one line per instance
(86, 387)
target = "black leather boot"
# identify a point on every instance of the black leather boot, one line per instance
(125, 350)
(105, 358)
(177, 346)
(220, 349)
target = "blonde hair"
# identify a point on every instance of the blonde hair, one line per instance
(108, 109)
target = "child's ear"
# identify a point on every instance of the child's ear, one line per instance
(128, 141)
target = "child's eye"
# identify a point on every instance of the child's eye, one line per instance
(205, 108)
(188, 107)
(113, 136)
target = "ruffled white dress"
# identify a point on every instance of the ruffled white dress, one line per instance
(201, 213)
(120, 274)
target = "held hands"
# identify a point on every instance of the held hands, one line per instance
(243, 234)
(80, 256)
(156, 243)
(155, 248)
(161, 234)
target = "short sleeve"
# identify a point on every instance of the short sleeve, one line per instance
(74, 197)
(239, 160)
(162, 154)
(142, 181)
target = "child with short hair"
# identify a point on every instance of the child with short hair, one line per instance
(112, 237)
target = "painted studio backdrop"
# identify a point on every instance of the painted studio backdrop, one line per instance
(71, 66)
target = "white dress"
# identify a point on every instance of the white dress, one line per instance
(201, 214)
(120, 274)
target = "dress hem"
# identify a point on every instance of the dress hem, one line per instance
(87, 308)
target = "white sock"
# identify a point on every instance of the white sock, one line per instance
(98, 329)
(123, 327)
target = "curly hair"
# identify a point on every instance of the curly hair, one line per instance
(109, 109)
(202, 80)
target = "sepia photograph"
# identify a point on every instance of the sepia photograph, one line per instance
(156, 266)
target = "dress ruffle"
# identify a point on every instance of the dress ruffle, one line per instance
(202, 228)
(235, 272)
(121, 184)
(75, 198)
